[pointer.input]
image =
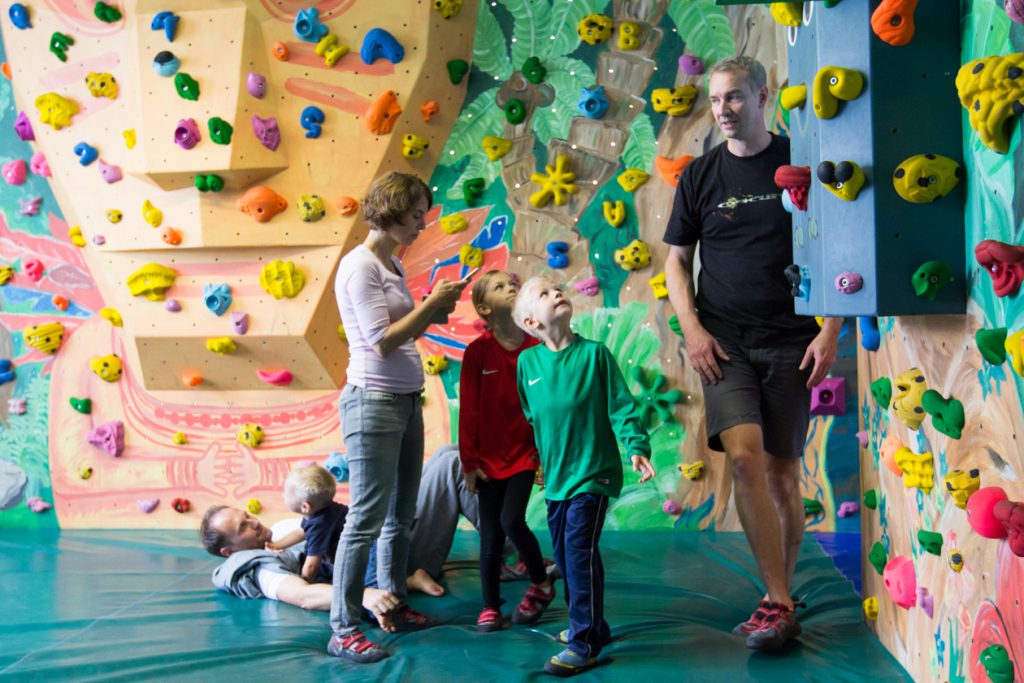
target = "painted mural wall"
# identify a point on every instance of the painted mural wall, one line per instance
(47, 443)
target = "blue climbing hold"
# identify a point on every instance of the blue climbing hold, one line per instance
(19, 16)
(311, 119)
(379, 43)
(558, 254)
(86, 153)
(6, 371)
(168, 21)
(217, 298)
(593, 102)
(307, 25)
(166, 64)
(337, 464)
(870, 338)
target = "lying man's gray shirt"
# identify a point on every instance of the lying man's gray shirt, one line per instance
(238, 573)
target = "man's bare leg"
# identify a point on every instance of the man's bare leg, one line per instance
(784, 488)
(421, 581)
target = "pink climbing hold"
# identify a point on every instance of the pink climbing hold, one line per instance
(1011, 516)
(981, 512)
(39, 165)
(99, 240)
(926, 602)
(173, 305)
(37, 504)
(17, 406)
(30, 207)
(589, 287)
(279, 378)
(240, 322)
(670, 507)
(110, 173)
(14, 172)
(1015, 10)
(147, 505)
(848, 508)
(690, 65)
(33, 268)
(862, 438)
(900, 581)
(109, 436)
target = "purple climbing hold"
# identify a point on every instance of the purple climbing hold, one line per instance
(173, 305)
(267, 132)
(187, 135)
(108, 436)
(110, 173)
(256, 84)
(23, 128)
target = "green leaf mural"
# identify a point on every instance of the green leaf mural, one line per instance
(565, 17)
(642, 145)
(704, 28)
(479, 118)
(566, 77)
(531, 28)
(490, 54)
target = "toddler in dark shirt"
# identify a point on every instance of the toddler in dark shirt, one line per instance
(309, 491)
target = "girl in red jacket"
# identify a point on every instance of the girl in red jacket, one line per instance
(498, 454)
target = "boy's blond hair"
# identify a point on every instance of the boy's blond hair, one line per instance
(480, 288)
(526, 299)
(312, 484)
(392, 196)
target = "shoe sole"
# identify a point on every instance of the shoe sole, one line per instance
(563, 671)
(489, 628)
(767, 645)
(357, 658)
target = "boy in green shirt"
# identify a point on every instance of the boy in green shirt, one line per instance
(577, 401)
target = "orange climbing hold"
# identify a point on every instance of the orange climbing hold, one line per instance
(171, 236)
(59, 302)
(6, 67)
(893, 21)
(347, 206)
(671, 170)
(261, 203)
(430, 109)
(383, 114)
(280, 52)
(191, 378)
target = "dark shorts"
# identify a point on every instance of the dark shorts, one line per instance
(763, 386)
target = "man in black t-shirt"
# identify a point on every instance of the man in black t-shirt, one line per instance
(753, 353)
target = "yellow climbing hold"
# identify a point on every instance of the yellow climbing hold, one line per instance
(341, 333)
(594, 28)
(435, 365)
(282, 279)
(112, 316)
(151, 214)
(918, 470)
(629, 36)
(470, 256)
(909, 388)
(834, 83)
(692, 471)
(674, 101)
(151, 281)
(413, 146)
(108, 368)
(659, 286)
(557, 184)
(871, 608)
(75, 233)
(632, 178)
(129, 138)
(788, 13)
(454, 224)
(6, 273)
(331, 49)
(251, 434)
(45, 337)
(101, 85)
(992, 90)
(179, 439)
(55, 110)
(1014, 346)
(793, 97)
(221, 345)
(633, 256)
(114, 216)
(615, 212)
(253, 506)
(495, 147)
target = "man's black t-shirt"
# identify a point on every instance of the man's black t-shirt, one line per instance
(732, 206)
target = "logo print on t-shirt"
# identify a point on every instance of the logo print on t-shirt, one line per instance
(487, 372)
(733, 202)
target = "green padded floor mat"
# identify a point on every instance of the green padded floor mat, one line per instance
(139, 605)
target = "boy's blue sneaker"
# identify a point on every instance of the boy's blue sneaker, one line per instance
(567, 663)
(355, 647)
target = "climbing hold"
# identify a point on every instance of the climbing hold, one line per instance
(676, 101)
(992, 91)
(659, 286)
(55, 111)
(981, 512)
(129, 138)
(6, 273)
(673, 324)
(832, 84)
(191, 378)
(112, 316)
(267, 132)
(19, 16)
(900, 581)
(151, 214)
(457, 70)
(383, 113)
(692, 471)
(893, 21)
(670, 507)
(594, 29)
(14, 172)
(470, 256)
(187, 87)
(633, 256)
(179, 439)
(871, 608)
(812, 507)
(429, 109)
(209, 183)
(29, 207)
(277, 378)
(930, 278)
(168, 21)
(844, 179)
(181, 505)
(220, 130)
(256, 84)
(75, 234)
(110, 173)
(217, 298)
(448, 8)
(453, 224)
(787, 13)
(45, 337)
(670, 170)
(1011, 516)
(1014, 10)
(37, 504)
(925, 601)
(926, 178)
(829, 397)
(848, 508)
(629, 36)
(796, 181)
(261, 203)
(59, 44)
(240, 321)
(590, 286)
(166, 64)
(109, 437)
(557, 184)
(472, 190)
(307, 25)
(81, 405)
(311, 121)
(918, 470)
(961, 486)
(311, 207)
(151, 281)
(849, 283)
(108, 368)
(101, 85)
(515, 111)
(632, 178)
(991, 344)
(956, 560)
(413, 146)
(280, 51)
(533, 70)
(85, 472)
(910, 387)
(615, 212)
(870, 337)
(347, 206)
(331, 49)
(1004, 263)
(1015, 351)
(378, 44)
(997, 663)
(793, 97)
(59, 302)
(930, 541)
(435, 365)
(558, 254)
(881, 389)
(888, 449)
(221, 345)
(147, 505)
(495, 147)
(106, 13)
(871, 499)
(877, 557)
(593, 102)
(23, 128)
(6, 370)
(85, 152)
(947, 414)
(282, 279)
(253, 506)
(251, 435)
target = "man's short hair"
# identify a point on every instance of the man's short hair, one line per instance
(313, 484)
(392, 196)
(212, 538)
(754, 70)
(526, 302)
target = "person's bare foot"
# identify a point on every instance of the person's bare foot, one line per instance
(421, 581)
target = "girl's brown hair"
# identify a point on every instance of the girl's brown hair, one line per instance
(480, 288)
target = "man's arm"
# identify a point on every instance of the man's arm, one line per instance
(703, 349)
(822, 350)
(297, 591)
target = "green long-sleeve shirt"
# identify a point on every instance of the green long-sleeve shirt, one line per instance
(578, 403)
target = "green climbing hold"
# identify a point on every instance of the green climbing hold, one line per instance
(881, 389)
(947, 413)
(877, 557)
(515, 111)
(106, 13)
(812, 507)
(59, 43)
(457, 70)
(871, 499)
(220, 131)
(209, 183)
(829, 4)
(82, 405)
(534, 71)
(997, 663)
(187, 87)
(472, 190)
(931, 541)
(673, 324)
(930, 278)
(991, 343)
